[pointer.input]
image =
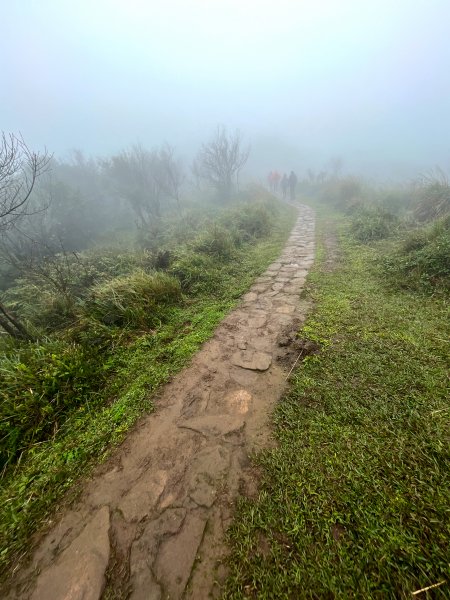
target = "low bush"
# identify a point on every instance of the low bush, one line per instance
(134, 300)
(216, 242)
(43, 308)
(396, 200)
(345, 194)
(40, 382)
(422, 260)
(373, 223)
(255, 220)
(433, 197)
(195, 272)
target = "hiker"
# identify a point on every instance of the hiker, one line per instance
(292, 185)
(276, 180)
(284, 186)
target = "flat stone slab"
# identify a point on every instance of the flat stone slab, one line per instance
(144, 495)
(203, 493)
(176, 557)
(253, 361)
(256, 322)
(144, 550)
(285, 309)
(79, 573)
(239, 401)
(214, 424)
(209, 466)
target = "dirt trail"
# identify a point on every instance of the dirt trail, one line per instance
(151, 522)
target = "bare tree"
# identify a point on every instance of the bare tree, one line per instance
(221, 160)
(145, 178)
(20, 168)
(168, 172)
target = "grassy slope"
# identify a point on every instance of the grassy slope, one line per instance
(49, 469)
(355, 498)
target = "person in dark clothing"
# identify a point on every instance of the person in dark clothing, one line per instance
(284, 186)
(292, 185)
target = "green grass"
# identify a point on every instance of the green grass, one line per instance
(354, 500)
(137, 366)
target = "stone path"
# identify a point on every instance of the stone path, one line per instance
(151, 522)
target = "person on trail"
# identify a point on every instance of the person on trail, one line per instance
(276, 181)
(292, 185)
(284, 186)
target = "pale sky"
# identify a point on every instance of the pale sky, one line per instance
(303, 80)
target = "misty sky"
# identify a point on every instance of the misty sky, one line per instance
(303, 80)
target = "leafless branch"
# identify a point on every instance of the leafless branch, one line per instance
(221, 160)
(20, 168)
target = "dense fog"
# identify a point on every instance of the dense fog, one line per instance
(305, 82)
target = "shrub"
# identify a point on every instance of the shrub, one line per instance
(433, 197)
(250, 221)
(40, 382)
(372, 223)
(162, 260)
(45, 308)
(422, 261)
(135, 300)
(346, 193)
(216, 242)
(49, 297)
(396, 200)
(256, 220)
(196, 272)
(415, 240)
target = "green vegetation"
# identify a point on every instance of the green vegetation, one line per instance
(354, 499)
(373, 223)
(421, 261)
(127, 321)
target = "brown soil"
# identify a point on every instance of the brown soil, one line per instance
(151, 522)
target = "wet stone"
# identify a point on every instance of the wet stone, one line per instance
(257, 322)
(254, 361)
(214, 425)
(144, 495)
(285, 309)
(242, 376)
(79, 573)
(202, 492)
(239, 401)
(143, 553)
(176, 557)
